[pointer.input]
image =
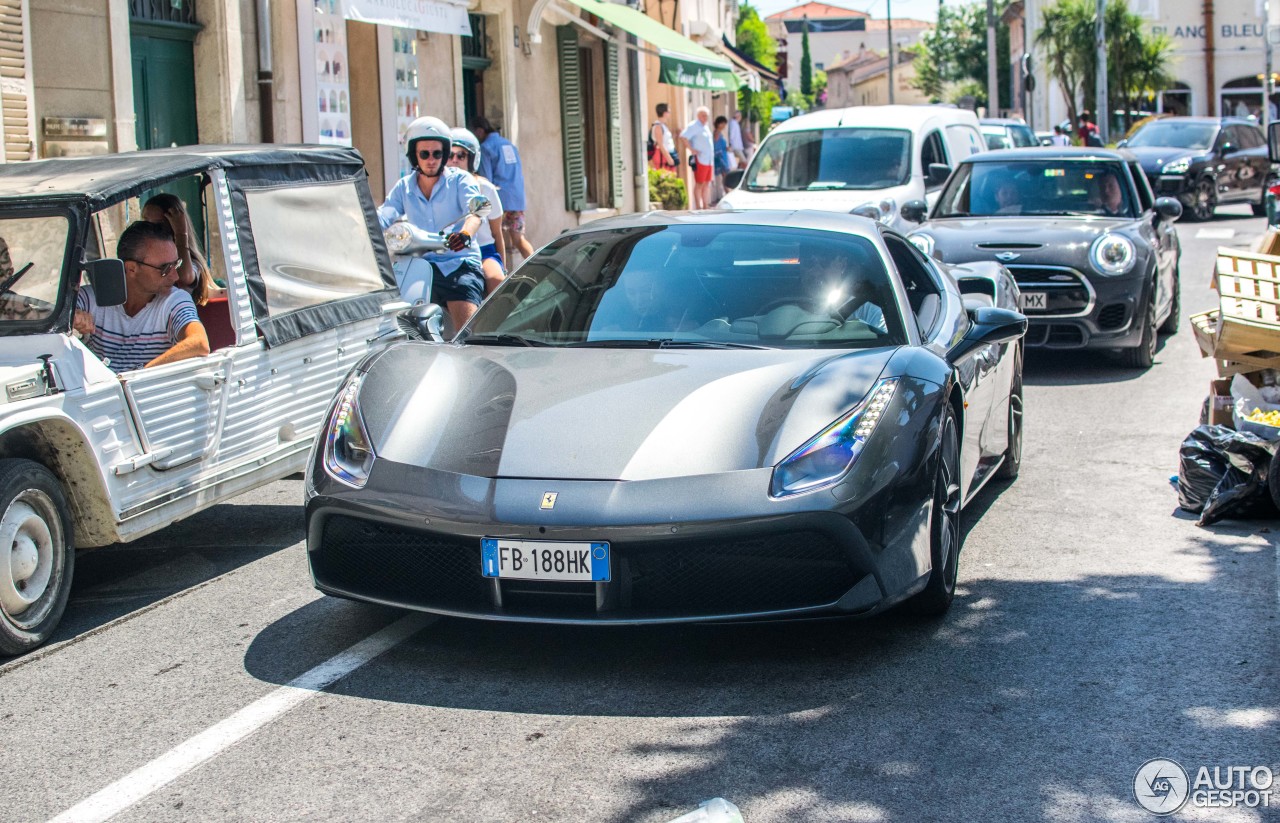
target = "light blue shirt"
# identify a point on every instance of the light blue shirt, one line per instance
(500, 163)
(445, 211)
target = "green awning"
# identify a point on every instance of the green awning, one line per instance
(682, 62)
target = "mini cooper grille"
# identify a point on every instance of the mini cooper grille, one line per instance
(1112, 316)
(1065, 290)
(650, 580)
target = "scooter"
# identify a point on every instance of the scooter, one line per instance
(408, 244)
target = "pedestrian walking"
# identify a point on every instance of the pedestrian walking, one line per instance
(500, 164)
(737, 146)
(1059, 137)
(720, 142)
(696, 137)
(1088, 131)
(662, 145)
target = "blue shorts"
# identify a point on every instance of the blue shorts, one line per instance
(464, 285)
(490, 252)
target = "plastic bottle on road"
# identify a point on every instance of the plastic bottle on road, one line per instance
(715, 810)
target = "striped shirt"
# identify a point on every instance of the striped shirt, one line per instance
(126, 343)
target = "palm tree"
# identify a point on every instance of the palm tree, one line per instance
(1067, 40)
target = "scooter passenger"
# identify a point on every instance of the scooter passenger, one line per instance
(435, 198)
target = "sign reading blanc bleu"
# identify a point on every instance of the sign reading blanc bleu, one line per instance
(444, 16)
(676, 72)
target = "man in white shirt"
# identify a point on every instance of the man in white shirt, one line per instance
(157, 324)
(736, 146)
(696, 137)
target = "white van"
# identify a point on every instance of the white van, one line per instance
(867, 158)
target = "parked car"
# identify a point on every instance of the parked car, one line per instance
(865, 159)
(679, 417)
(1205, 161)
(89, 457)
(1095, 255)
(1003, 133)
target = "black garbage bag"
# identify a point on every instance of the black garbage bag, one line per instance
(1223, 473)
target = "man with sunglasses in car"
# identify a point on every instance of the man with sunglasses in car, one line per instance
(157, 323)
(436, 197)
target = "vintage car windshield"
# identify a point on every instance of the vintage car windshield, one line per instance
(713, 286)
(32, 250)
(1037, 187)
(832, 159)
(1175, 134)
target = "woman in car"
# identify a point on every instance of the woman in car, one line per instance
(193, 272)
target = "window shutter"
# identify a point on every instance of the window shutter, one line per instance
(614, 93)
(572, 128)
(15, 82)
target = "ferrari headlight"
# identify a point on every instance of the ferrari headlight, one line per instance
(1112, 254)
(824, 460)
(398, 237)
(348, 453)
(923, 242)
(1177, 166)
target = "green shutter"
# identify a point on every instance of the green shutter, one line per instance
(572, 129)
(614, 92)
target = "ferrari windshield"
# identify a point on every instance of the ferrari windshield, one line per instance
(31, 256)
(832, 159)
(1082, 188)
(1175, 134)
(697, 286)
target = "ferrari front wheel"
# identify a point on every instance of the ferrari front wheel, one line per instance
(944, 528)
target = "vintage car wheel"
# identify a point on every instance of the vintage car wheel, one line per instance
(1170, 324)
(36, 554)
(1013, 455)
(1204, 199)
(944, 526)
(1143, 355)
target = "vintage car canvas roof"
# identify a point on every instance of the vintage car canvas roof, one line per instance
(109, 178)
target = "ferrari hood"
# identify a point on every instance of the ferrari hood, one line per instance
(605, 414)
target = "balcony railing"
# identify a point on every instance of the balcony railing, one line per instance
(163, 11)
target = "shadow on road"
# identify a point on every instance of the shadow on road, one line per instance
(1077, 367)
(1047, 694)
(113, 581)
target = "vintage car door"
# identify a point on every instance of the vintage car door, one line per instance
(310, 292)
(178, 410)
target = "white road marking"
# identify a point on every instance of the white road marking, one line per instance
(212, 741)
(1215, 234)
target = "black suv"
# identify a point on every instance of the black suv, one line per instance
(1204, 161)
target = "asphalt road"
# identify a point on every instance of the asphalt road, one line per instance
(1096, 627)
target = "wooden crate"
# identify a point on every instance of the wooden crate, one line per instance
(1249, 302)
(1205, 327)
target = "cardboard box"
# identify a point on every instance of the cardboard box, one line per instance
(1269, 243)
(1221, 403)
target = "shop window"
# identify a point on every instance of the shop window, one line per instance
(590, 114)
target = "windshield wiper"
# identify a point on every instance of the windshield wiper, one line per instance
(761, 187)
(15, 277)
(663, 343)
(503, 340)
(708, 344)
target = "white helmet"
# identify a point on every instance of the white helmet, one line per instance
(426, 128)
(463, 137)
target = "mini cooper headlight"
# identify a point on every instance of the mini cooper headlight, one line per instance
(1112, 254)
(1177, 166)
(348, 453)
(923, 242)
(824, 460)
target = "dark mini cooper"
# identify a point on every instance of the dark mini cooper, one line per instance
(1094, 254)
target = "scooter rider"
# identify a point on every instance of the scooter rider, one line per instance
(434, 197)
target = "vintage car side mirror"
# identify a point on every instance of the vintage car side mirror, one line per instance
(426, 320)
(1168, 208)
(107, 278)
(914, 211)
(989, 325)
(734, 178)
(938, 174)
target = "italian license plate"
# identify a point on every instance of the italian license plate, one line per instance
(544, 560)
(1033, 300)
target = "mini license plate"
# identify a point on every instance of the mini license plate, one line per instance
(544, 560)
(1033, 300)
